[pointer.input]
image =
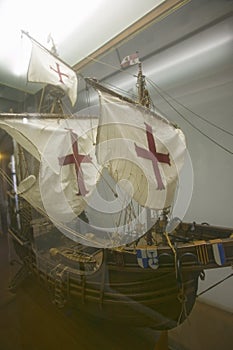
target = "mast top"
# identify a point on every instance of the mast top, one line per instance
(143, 94)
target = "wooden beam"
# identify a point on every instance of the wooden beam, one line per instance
(157, 13)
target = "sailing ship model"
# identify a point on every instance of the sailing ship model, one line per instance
(90, 209)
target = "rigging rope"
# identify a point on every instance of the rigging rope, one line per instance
(6, 177)
(156, 87)
(188, 121)
(215, 284)
(188, 109)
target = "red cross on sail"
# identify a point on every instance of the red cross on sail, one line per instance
(76, 158)
(153, 155)
(58, 71)
(142, 151)
(46, 68)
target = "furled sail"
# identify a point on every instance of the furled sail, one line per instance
(143, 151)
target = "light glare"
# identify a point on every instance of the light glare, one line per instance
(39, 19)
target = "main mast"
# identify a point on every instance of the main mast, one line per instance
(143, 94)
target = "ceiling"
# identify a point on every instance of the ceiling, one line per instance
(71, 28)
(186, 48)
(178, 42)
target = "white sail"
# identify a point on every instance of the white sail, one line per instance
(47, 68)
(144, 153)
(53, 185)
(113, 167)
(68, 168)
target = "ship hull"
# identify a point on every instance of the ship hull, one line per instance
(138, 298)
(120, 290)
(114, 283)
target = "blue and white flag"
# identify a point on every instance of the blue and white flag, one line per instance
(142, 258)
(219, 253)
(152, 255)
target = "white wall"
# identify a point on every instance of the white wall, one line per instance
(204, 83)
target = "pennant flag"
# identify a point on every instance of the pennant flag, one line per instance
(46, 68)
(130, 60)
